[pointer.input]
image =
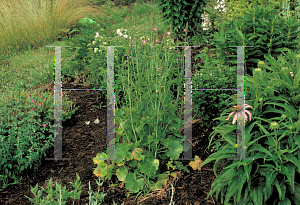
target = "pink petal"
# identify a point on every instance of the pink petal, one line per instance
(230, 115)
(248, 114)
(246, 105)
(234, 119)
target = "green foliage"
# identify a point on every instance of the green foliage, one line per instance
(208, 104)
(61, 194)
(148, 128)
(22, 131)
(149, 142)
(260, 27)
(79, 46)
(237, 7)
(180, 13)
(272, 139)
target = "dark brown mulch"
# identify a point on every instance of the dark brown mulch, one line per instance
(82, 142)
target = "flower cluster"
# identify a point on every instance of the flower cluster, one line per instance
(123, 32)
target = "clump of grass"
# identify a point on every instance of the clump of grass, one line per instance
(33, 23)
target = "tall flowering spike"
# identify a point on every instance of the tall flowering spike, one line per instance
(238, 111)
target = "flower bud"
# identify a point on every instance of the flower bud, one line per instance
(283, 116)
(260, 63)
(257, 70)
(274, 125)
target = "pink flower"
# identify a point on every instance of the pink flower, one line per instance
(129, 45)
(155, 29)
(32, 100)
(156, 40)
(239, 111)
(144, 41)
(168, 33)
(44, 125)
(39, 104)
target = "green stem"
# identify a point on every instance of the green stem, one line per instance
(242, 143)
(256, 86)
(276, 139)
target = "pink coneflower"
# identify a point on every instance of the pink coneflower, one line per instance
(239, 111)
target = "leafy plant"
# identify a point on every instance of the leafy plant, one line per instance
(62, 195)
(142, 156)
(260, 28)
(272, 140)
(150, 139)
(237, 7)
(208, 104)
(79, 45)
(23, 121)
(180, 13)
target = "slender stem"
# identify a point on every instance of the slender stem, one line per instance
(256, 86)
(276, 139)
(242, 148)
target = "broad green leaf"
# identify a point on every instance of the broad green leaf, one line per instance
(122, 173)
(149, 166)
(133, 184)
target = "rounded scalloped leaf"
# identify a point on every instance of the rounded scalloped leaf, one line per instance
(101, 171)
(174, 149)
(137, 154)
(132, 184)
(122, 173)
(149, 166)
(99, 159)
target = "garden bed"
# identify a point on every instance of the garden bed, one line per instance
(81, 143)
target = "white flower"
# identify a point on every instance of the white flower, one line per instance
(97, 34)
(119, 32)
(125, 36)
(95, 50)
(93, 42)
(88, 122)
(96, 121)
